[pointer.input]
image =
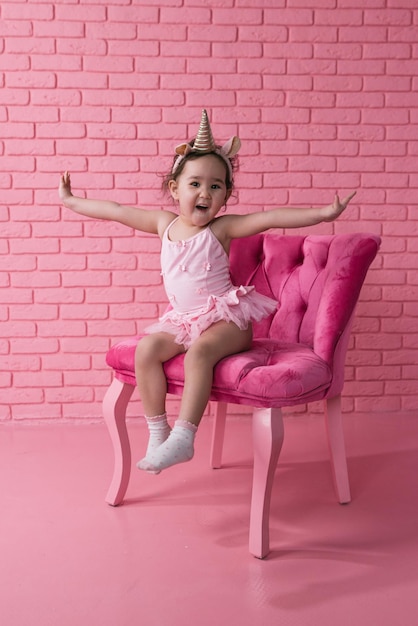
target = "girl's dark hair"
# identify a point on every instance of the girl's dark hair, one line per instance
(192, 156)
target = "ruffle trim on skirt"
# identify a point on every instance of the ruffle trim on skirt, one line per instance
(241, 305)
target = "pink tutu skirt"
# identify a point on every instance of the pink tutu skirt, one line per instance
(241, 305)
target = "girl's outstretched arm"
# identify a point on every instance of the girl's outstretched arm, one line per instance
(150, 221)
(234, 226)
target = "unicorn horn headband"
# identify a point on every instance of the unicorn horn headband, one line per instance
(205, 144)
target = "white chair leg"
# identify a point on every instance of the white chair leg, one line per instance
(268, 434)
(218, 435)
(115, 402)
(336, 444)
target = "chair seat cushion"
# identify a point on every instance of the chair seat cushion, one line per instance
(271, 374)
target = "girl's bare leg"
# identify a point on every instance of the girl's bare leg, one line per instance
(152, 351)
(220, 340)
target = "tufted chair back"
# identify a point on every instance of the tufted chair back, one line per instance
(311, 278)
(316, 281)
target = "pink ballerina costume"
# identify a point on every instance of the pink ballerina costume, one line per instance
(198, 285)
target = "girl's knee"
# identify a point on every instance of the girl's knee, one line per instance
(156, 348)
(200, 351)
(145, 350)
(213, 346)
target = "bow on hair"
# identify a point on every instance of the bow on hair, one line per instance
(205, 144)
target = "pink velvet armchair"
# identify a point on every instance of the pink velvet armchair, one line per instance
(297, 357)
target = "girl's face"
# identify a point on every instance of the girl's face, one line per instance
(201, 190)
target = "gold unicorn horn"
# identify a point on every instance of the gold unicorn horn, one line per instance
(204, 141)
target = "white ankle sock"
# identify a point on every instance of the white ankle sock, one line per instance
(159, 430)
(177, 448)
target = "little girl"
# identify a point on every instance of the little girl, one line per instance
(209, 318)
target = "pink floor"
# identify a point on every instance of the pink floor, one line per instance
(176, 551)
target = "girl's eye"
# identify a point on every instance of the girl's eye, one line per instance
(194, 184)
(216, 187)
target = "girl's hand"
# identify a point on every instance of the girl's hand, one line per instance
(332, 211)
(64, 189)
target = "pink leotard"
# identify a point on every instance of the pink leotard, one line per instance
(198, 285)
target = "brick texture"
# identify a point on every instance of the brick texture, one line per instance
(323, 94)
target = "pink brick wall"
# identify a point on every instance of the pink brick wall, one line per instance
(323, 94)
